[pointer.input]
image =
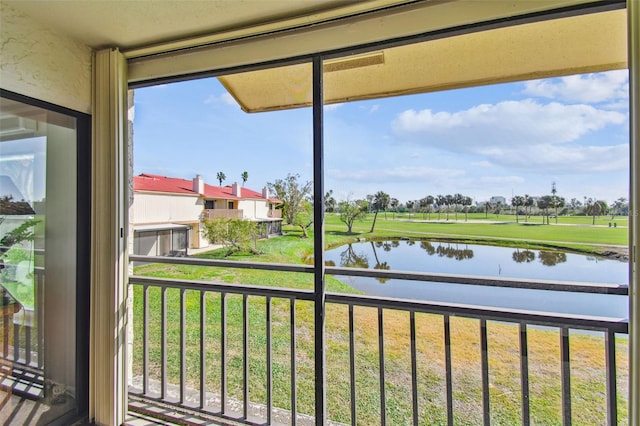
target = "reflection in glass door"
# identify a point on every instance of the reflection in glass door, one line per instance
(43, 356)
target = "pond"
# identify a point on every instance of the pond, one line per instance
(488, 261)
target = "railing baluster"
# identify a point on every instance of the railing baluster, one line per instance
(448, 374)
(183, 354)
(414, 367)
(383, 405)
(27, 343)
(5, 337)
(292, 317)
(612, 393)
(145, 340)
(163, 345)
(524, 374)
(269, 361)
(485, 372)
(566, 376)
(16, 342)
(245, 354)
(203, 349)
(223, 352)
(352, 365)
(39, 296)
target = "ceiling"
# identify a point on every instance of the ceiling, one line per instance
(529, 51)
(130, 24)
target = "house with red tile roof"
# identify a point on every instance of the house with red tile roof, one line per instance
(168, 213)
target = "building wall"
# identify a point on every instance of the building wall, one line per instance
(42, 64)
(254, 208)
(150, 208)
(162, 208)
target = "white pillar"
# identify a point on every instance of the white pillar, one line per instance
(633, 37)
(107, 388)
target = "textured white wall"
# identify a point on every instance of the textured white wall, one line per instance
(42, 64)
(254, 209)
(159, 208)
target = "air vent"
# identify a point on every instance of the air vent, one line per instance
(357, 61)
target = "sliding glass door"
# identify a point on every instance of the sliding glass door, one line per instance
(44, 279)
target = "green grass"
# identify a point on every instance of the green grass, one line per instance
(574, 237)
(587, 351)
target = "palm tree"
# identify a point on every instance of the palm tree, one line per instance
(394, 203)
(466, 202)
(457, 200)
(517, 202)
(221, 176)
(528, 204)
(554, 199)
(380, 201)
(244, 177)
(330, 202)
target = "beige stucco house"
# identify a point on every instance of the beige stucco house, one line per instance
(167, 213)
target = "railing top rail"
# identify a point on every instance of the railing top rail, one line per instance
(281, 267)
(252, 290)
(568, 286)
(552, 319)
(553, 285)
(617, 325)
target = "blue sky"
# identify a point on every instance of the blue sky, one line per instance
(514, 138)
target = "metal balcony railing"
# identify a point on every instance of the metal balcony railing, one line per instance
(210, 214)
(22, 358)
(153, 384)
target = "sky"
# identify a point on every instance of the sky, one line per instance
(499, 140)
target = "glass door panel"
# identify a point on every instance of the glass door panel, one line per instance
(39, 372)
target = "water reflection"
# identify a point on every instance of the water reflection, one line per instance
(552, 258)
(381, 265)
(524, 256)
(484, 261)
(352, 259)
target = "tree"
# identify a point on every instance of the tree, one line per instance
(487, 208)
(449, 202)
(457, 201)
(380, 202)
(544, 203)
(236, 235)
(330, 203)
(554, 200)
(291, 194)
(244, 176)
(466, 202)
(350, 211)
(529, 202)
(619, 207)
(517, 202)
(394, 203)
(595, 208)
(304, 218)
(221, 177)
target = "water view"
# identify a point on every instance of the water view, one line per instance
(489, 261)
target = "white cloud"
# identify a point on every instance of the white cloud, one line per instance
(589, 88)
(483, 163)
(332, 107)
(399, 174)
(224, 98)
(524, 134)
(374, 108)
(500, 180)
(565, 159)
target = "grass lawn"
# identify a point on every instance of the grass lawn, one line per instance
(574, 236)
(587, 350)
